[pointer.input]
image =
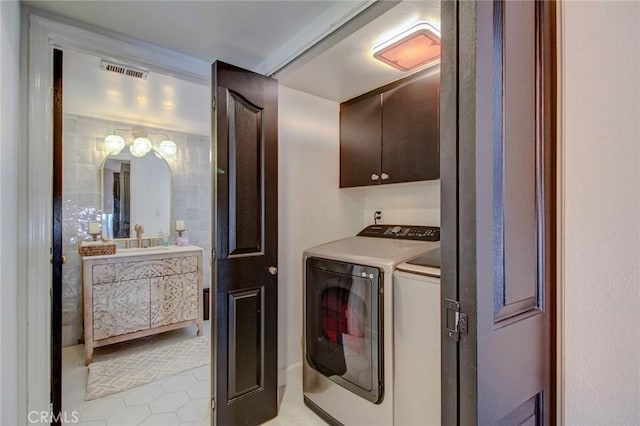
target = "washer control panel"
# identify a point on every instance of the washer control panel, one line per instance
(403, 232)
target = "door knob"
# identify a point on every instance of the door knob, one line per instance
(384, 176)
(374, 176)
(273, 270)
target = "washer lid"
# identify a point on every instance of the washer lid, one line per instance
(426, 264)
(380, 252)
(430, 258)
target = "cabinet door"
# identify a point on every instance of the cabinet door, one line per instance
(174, 298)
(120, 307)
(360, 142)
(411, 131)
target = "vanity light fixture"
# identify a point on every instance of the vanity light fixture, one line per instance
(141, 145)
(114, 143)
(410, 49)
(168, 148)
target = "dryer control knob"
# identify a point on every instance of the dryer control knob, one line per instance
(396, 230)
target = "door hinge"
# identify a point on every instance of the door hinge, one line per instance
(213, 104)
(456, 321)
(213, 404)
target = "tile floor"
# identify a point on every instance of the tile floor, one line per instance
(179, 400)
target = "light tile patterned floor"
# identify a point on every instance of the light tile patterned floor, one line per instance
(180, 400)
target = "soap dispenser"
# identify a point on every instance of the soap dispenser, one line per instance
(165, 238)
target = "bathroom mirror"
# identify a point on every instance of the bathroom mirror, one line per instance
(135, 190)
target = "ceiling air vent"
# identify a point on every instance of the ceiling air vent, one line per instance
(124, 70)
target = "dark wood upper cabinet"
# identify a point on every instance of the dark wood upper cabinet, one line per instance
(392, 134)
(360, 135)
(411, 131)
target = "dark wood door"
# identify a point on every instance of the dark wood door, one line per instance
(411, 130)
(244, 349)
(360, 134)
(497, 213)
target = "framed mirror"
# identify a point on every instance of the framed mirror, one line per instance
(135, 190)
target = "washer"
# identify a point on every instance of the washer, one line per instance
(348, 361)
(416, 341)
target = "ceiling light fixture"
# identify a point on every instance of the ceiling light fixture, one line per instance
(417, 46)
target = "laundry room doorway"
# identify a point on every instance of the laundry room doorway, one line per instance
(497, 157)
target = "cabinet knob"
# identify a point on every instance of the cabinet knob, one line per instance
(273, 270)
(384, 176)
(374, 176)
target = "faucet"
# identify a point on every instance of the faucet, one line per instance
(139, 230)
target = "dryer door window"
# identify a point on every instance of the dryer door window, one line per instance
(343, 338)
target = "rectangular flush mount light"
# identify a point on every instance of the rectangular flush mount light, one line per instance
(410, 49)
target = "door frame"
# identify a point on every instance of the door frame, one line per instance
(41, 32)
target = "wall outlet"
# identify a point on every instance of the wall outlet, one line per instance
(377, 216)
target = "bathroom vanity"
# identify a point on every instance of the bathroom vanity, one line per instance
(140, 292)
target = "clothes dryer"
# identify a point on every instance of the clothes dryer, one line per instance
(348, 321)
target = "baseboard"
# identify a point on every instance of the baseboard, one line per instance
(284, 373)
(321, 413)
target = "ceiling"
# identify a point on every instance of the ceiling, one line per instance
(257, 35)
(244, 33)
(347, 68)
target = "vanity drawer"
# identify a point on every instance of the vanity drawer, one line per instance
(151, 268)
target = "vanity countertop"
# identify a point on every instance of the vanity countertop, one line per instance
(127, 252)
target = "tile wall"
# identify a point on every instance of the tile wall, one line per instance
(83, 154)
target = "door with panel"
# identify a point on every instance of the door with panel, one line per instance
(498, 206)
(245, 299)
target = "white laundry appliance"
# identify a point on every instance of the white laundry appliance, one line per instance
(348, 374)
(416, 341)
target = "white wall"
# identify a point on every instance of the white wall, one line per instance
(602, 212)
(414, 203)
(9, 141)
(159, 101)
(312, 208)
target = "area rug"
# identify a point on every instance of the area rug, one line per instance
(119, 374)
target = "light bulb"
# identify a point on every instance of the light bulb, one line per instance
(114, 143)
(140, 147)
(168, 148)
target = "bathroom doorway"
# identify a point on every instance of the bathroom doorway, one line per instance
(135, 179)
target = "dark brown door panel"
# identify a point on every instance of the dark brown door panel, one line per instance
(411, 131)
(246, 244)
(360, 142)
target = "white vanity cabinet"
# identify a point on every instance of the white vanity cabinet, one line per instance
(140, 292)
